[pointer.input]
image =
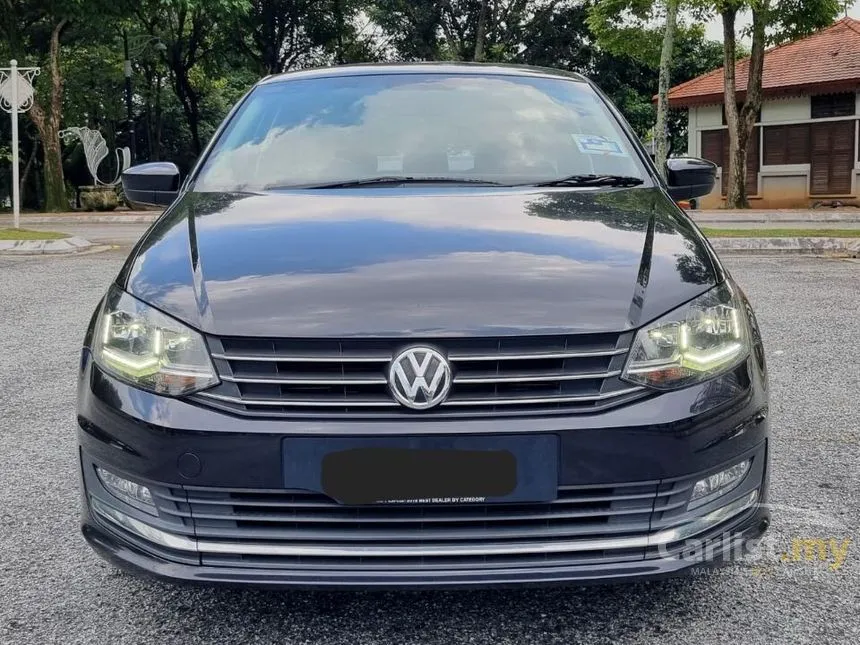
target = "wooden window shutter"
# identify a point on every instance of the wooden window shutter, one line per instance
(712, 146)
(832, 158)
(819, 180)
(753, 159)
(775, 146)
(842, 159)
(715, 147)
(786, 144)
(797, 144)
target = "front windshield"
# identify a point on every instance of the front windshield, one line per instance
(494, 128)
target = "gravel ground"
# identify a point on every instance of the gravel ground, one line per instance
(54, 590)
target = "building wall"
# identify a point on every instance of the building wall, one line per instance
(779, 186)
(785, 110)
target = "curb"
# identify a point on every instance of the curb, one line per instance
(826, 246)
(45, 247)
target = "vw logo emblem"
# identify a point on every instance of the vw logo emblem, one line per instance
(419, 378)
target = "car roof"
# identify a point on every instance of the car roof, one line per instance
(377, 69)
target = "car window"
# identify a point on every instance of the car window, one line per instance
(505, 129)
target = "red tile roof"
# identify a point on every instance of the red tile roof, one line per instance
(826, 61)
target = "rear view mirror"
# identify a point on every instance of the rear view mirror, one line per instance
(151, 184)
(689, 177)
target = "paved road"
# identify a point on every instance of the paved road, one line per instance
(54, 590)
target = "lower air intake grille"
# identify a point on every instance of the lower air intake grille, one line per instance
(264, 527)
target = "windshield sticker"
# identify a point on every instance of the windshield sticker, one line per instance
(460, 161)
(389, 163)
(594, 144)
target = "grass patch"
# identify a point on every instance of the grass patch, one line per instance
(781, 232)
(24, 234)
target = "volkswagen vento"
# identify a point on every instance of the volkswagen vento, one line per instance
(422, 325)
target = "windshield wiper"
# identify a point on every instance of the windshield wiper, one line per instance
(594, 180)
(389, 179)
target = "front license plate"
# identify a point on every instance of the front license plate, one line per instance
(425, 470)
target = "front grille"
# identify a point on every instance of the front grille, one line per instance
(262, 528)
(310, 377)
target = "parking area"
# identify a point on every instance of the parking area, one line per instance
(803, 586)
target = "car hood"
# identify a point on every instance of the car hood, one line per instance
(396, 262)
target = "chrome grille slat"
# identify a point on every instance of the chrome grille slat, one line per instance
(448, 403)
(276, 498)
(546, 399)
(307, 377)
(452, 563)
(534, 378)
(299, 403)
(336, 516)
(301, 359)
(522, 357)
(376, 380)
(448, 535)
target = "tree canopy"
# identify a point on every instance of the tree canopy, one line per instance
(192, 59)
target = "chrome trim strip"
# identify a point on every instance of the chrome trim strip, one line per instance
(380, 380)
(543, 399)
(541, 356)
(535, 378)
(659, 538)
(142, 529)
(346, 403)
(498, 548)
(334, 358)
(331, 403)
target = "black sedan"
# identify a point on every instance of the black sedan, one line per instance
(422, 326)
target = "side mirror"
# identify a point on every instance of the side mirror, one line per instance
(689, 177)
(151, 184)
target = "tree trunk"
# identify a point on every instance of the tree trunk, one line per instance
(47, 122)
(741, 122)
(481, 34)
(339, 21)
(737, 156)
(159, 122)
(25, 174)
(661, 135)
(194, 124)
(190, 102)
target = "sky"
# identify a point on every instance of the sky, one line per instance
(714, 29)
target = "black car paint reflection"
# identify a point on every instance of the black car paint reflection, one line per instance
(557, 253)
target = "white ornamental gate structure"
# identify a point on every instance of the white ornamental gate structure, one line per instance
(16, 95)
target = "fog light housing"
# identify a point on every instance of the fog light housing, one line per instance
(128, 491)
(716, 485)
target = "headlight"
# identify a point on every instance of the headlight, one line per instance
(148, 349)
(696, 342)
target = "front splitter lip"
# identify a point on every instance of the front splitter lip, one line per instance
(748, 528)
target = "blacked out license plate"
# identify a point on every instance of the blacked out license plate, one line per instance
(425, 470)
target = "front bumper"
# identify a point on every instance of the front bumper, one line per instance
(624, 481)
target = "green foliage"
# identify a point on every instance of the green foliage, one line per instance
(192, 59)
(793, 19)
